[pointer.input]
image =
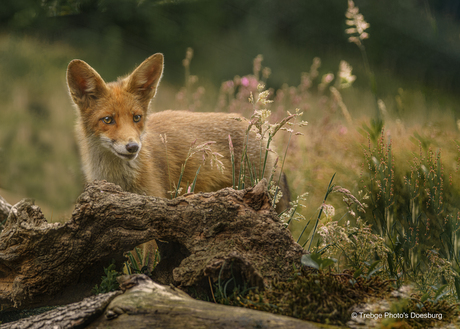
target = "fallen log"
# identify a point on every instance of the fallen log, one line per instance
(145, 304)
(150, 305)
(205, 237)
(76, 315)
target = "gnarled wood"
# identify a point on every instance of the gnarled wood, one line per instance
(205, 236)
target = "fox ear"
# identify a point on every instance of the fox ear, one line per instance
(84, 83)
(143, 82)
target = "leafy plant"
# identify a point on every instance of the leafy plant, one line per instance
(230, 291)
(136, 263)
(315, 261)
(109, 281)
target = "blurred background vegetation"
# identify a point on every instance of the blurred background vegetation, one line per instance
(414, 51)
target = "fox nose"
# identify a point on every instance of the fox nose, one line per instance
(132, 147)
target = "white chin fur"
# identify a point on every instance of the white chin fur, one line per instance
(120, 149)
(125, 156)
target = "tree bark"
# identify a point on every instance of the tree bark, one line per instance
(205, 237)
(76, 315)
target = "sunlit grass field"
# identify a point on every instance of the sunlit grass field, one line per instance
(39, 156)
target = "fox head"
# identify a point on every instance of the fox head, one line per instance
(114, 114)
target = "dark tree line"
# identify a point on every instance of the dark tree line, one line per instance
(260, 26)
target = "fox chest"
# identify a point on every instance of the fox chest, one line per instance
(117, 171)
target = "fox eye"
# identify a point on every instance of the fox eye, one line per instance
(107, 120)
(137, 118)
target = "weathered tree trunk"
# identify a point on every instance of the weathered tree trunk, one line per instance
(76, 315)
(146, 304)
(207, 236)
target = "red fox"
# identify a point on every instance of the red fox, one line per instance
(144, 153)
(121, 143)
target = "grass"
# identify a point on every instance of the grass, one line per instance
(38, 156)
(410, 227)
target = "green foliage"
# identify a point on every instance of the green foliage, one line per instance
(373, 130)
(414, 223)
(415, 212)
(315, 260)
(109, 281)
(137, 265)
(355, 245)
(229, 291)
(323, 206)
